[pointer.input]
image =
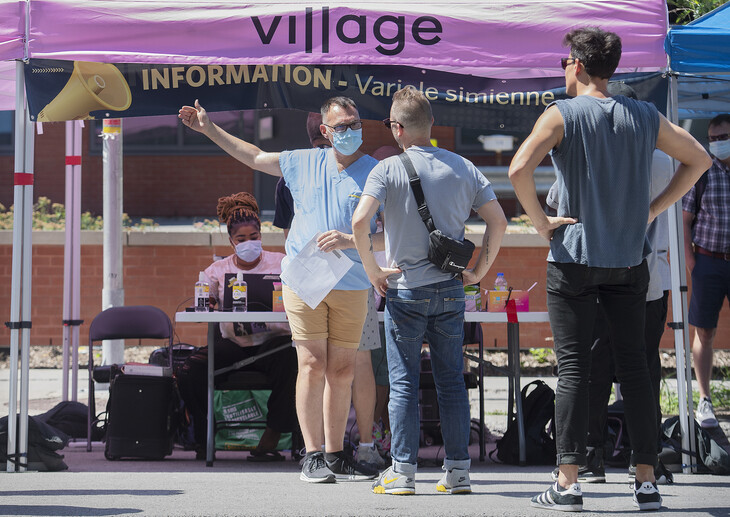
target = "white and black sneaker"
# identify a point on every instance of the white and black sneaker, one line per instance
(314, 469)
(647, 497)
(345, 468)
(562, 499)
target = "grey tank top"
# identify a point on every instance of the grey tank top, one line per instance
(603, 166)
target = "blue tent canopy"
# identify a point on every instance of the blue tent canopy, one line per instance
(703, 46)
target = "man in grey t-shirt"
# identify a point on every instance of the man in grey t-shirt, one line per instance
(422, 301)
(602, 148)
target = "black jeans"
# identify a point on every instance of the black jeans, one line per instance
(602, 368)
(280, 367)
(573, 291)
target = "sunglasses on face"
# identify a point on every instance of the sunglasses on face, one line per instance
(718, 138)
(389, 123)
(565, 61)
(341, 128)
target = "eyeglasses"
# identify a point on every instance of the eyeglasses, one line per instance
(389, 123)
(341, 128)
(565, 61)
(718, 138)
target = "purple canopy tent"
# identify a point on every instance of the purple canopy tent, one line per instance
(500, 39)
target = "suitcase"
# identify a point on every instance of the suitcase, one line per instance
(141, 417)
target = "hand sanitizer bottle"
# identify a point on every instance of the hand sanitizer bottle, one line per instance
(202, 293)
(240, 294)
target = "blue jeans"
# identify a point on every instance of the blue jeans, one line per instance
(434, 313)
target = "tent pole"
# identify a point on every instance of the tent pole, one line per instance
(72, 257)
(76, 263)
(67, 250)
(679, 313)
(26, 281)
(15, 287)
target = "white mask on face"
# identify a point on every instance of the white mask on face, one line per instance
(721, 149)
(249, 251)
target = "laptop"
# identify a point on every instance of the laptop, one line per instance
(259, 287)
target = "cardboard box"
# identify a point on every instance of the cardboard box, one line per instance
(473, 298)
(277, 302)
(497, 299)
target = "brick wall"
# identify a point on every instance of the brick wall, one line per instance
(159, 272)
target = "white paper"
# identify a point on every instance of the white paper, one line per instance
(313, 272)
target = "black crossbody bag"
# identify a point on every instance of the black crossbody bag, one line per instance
(448, 254)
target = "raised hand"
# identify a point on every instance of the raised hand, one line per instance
(196, 118)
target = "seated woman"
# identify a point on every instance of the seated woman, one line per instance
(238, 341)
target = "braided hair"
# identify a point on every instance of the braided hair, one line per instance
(236, 209)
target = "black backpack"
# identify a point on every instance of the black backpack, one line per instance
(617, 446)
(43, 442)
(538, 409)
(711, 456)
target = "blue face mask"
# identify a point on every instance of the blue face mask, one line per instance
(721, 149)
(248, 251)
(348, 142)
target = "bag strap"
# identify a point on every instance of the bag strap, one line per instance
(415, 183)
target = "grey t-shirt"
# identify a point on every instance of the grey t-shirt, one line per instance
(452, 187)
(603, 167)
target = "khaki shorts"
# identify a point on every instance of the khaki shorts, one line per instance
(339, 318)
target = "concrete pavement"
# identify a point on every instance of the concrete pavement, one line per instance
(182, 486)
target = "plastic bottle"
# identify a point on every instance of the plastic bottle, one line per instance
(500, 283)
(239, 290)
(202, 293)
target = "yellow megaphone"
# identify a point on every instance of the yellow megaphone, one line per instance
(93, 86)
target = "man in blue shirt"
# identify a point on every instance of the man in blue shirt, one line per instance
(326, 185)
(602, 148)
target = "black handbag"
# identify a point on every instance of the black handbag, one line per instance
(448, 254)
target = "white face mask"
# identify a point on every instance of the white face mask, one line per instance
(721, 149)
(249, 251)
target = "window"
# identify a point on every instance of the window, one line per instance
(7, 122)
(167, 134)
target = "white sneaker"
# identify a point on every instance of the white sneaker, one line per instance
(454, 481)
(705, 414)
(369, 456)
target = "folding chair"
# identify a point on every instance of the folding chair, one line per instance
(134, 322)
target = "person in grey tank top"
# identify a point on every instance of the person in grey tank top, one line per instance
(602, 148)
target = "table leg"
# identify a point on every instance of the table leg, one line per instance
(210, 440)
(513, 344)
(482, 447)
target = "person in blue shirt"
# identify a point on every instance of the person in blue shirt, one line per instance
(326, 185)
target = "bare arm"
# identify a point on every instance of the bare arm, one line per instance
(689, 254)
(337, 240)
(493, 215)
(547, 133)
(693, 161)
(196, 118)
(364, 212)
